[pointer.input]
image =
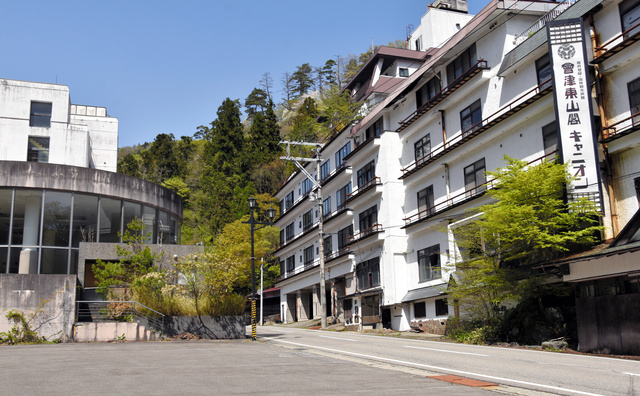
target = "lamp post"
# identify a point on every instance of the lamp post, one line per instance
(271, 214)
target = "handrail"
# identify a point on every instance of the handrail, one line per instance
(603, 47)
(374, 229)
(481, 64)
(375, 181)
(504, 112)
(337, 170)
(461, 198)
(542, 22)
(614, 126)
(119, 311)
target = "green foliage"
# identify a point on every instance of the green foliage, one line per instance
(256, 103)
(338, 110)
(21, 332)
(528, 223)
(301, 80)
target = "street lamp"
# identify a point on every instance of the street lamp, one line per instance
(271, 214)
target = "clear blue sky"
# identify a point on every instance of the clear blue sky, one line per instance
(166, 66)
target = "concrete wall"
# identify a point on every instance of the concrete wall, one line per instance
(104, 332)
(208, 327)
(48, 299)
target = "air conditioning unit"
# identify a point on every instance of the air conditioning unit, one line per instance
(453, 5)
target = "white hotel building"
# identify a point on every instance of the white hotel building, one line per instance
(468, 91)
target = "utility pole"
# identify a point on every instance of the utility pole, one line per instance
(318, 198)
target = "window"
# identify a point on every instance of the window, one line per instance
(291, 263)
(425, 201)
(630, 16)
(40, 115)
(325, 169)
(422, 148)
(474, 176)
(283, 267)
(429, 263)
(428, 91)
(289, 231)
(343, 236)
(550, 138)
(419, 310)
(403, 72)
(326, 206)
(342, 195)
(286, 202)
(328, 248)
(634, 98)
(374, 130)
(461, 64)
(307, 220)
(636, 184)
(282, 240)
(343, 152)
(366, 173)
(306, 186)
(368, 273)
(308, 255)
(471, 117)
(543, 70)
(418, 43)
(368, 219)
(442, 309)
(38, 149)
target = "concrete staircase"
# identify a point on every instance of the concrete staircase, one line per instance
(110, 331)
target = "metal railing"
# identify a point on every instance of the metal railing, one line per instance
(375, 181)
(628, 124)
(542, 22)
(374, 229)
(119, 311)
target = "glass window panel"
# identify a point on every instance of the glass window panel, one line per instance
(109, 220)
(26, 218)
(14, 259)
(175, 230)
(149, 218)
(4, 256)
(73, 265)
(85, 219)
(27, 255)
(164, 228)
(5, 216)
(54, 261)
(131, 211)
(57, 215)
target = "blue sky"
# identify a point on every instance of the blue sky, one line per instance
(166, 66)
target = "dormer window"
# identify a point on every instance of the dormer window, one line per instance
(403, 72)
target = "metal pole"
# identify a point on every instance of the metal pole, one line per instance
(261, 291)
(323, 295)
(253, 280)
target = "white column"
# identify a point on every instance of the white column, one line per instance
(29, 255)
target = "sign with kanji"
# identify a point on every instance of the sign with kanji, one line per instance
(573, 106)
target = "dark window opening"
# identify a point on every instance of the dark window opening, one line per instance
(461, 64)
(368, 219)
(38, 149)
(420, 310)
(428, 91)
(442, 309)
(543, 71)
(40, 115)
(471, 117)
(429, 263)
(374, 130)
(366, 173)
(342, 195)
(474, 176)
(343, 236)
(368, 273)
(422, 148)
(630, 17)
(308, 255)
(426, 200)
(550, 138)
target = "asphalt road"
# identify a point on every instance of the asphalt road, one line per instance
(200, 368)
(557, 373)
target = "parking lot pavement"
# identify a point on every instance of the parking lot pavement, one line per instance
(198, 367)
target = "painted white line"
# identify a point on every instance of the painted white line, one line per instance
(468, 373)
(632, 374)
(444, 350)
(337, 338)
(282, 331)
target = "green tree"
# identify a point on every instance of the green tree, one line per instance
(163, 156)
(529, 223)
(256, 102)
(129, 165)
(302, 80)
(338, 109)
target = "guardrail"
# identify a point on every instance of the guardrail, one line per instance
(621, 127)
(542, 22)
(374, 229)
(119, 311)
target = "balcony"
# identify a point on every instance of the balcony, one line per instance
(337, 254)
(304, 232)
(459, 199)
(333, 215)
(360, 191)
(343, 166)
(360, 147)
(298, 270)
(440, 96)
(621, 128)
(616, 44)
(505, 112)
(292, 207)
(366, 233)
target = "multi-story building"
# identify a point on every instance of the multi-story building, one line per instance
(406, 174)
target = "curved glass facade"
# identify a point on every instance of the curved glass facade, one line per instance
(42, 229)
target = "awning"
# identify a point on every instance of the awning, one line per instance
(363, 293)
(425, 292)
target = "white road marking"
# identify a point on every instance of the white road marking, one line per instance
(436, 368)
(337, 338)
(632, 374)
(444, 350)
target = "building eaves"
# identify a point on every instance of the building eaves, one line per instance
(539, 38)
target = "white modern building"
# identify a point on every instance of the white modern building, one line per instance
(402, 179)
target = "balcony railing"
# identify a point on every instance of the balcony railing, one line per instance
(334, 173)
(359, 147)
(459, 199)
(292, 206)
(505, 112)
(621, 128)
(362, 234)
(298, 270)
(330, 216)
(616, 44)
(448, 90)
(542, 22)
(364, 188)
(337, 254)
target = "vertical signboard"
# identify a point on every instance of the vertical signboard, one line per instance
(573, 107)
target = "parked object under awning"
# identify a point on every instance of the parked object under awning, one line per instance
(425, 292)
